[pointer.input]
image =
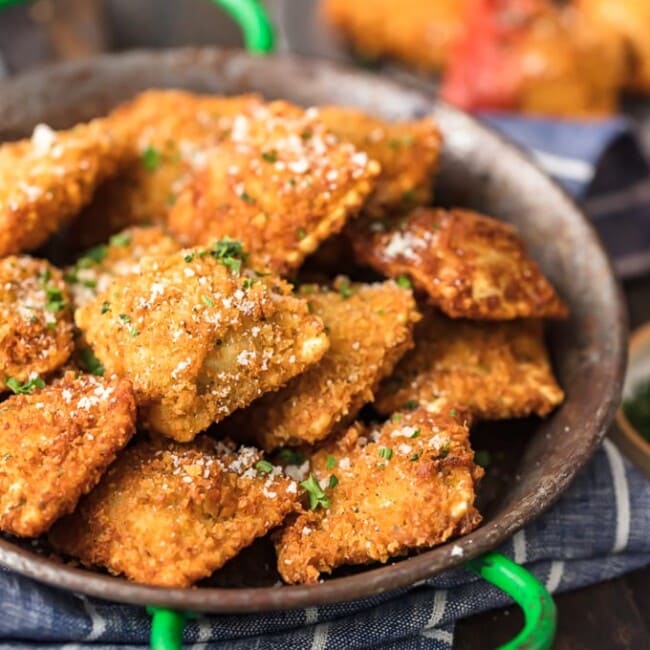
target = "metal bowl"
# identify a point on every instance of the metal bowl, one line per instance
(479, 170)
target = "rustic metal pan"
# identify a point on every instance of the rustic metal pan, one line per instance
(479, 170)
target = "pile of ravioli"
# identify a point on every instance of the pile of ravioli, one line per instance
(236, 280)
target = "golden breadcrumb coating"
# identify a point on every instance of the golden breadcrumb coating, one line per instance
(35, 319)
(55, 444)
(469, 265)
(167, 131)
(419, 32)
(408, 153)
(280, 184)
(369, 328)
(168, 514)
(45, 181)
(94, 272)
(494, 370)
(199, 338)
(407, 485)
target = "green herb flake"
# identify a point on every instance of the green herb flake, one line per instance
(120, 240)
(270, 156)
(248, 283)
(89, 284)
(291, 456)
(25, 388)
(170, 200)
(125, 318)
(306, 134)
(207, 301)
(106, 306)
(333, 482)
(301, 233)
(151, 159)
(345, 289)
(54, 299)
(45, 276)
(133, 332)
(316, 495)
(408, 196)
(330, 462)
(394, 144)
(247, 198)
(453, 413)
(415, 434)
(93, 256)
(292, 181)
(189, 257)
(90, 362)
(263, 467)
(230, 253)
(404, 282)
(386, 453)
(415, 457)
(396, 417)
(444, 451)
(411, 405)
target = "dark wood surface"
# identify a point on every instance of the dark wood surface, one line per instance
(607, 616)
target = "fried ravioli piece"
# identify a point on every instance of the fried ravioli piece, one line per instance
(420, 33)
(55, 444)
(469, 265)
(45, 181)
(199, 338)
(167, 514)
(280, 184)
(35, 319)
(494, 370)
(369, 328)
(94, 272)
(408, 485)
(168, 130)
(408, 153)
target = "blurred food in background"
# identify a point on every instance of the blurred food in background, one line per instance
(557, 58)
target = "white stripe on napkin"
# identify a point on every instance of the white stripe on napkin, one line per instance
(438, 609)
(604, 205)
(621, 494)
(438, 635)
(321, 632)
(311, 615)
(97, 622)
(555, 575)
(572, 169)
(519, 547)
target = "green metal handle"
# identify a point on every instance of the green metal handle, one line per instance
(523, 587)
(253, 20)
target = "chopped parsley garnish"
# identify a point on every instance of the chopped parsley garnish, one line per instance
(270, 156)
(25, 388)
(394, 144)
(396, 417)
(404, 282)
(170, 200)
(70, 277)
(333, 482)
(316, 495)
(121, 240)
(330, 462)
(106, 306)
(411, 405)
(133, 332)
(207, 301)
(230, 253)
(189, 257)
(55, 302)
(306, 134)
(415, 434)
(89, 284)
(263, 467)
(247, 198)
(248, 283)
(345, 289)
(444, 451)
(482, 457)
(301, 233)
(386, 453)
(45, 276)
(453, 413)
(151, 159)
(291, 456)
(415, 457)
(408, 196)
(90, 362)
(125, 318)
(380, 312)
(93, 256)
(292, 181)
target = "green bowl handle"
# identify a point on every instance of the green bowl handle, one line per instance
(254, 22)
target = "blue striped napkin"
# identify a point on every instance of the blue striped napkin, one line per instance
(598, 530)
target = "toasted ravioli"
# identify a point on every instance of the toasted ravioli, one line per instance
(199, 338)
(167, 514)
(494, 370)
(420, 33)
(407, 485)
(280, 184)
(369, 328)
(167, 130)
(45, 181)
(408, 153)
(469, 265)
(35, 319)
(97, 268)
(55, 444)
